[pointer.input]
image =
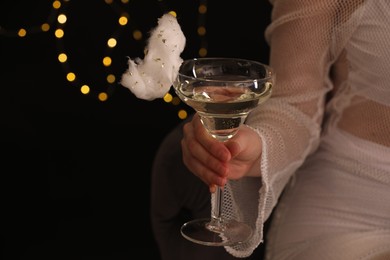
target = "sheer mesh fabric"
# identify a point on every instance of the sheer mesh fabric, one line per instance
(332, 63)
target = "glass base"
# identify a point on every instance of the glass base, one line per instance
(200, 231)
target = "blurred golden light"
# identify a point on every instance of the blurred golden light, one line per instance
(61, 18)
(56, 4)
(62, 57)
(111, 78)
(59, 33)
(123, 20)
(168, 98)
(71, 76)
(201, 30)
(202, 52)
(85, 89)
(176, 101)
(45, 27)
(137, 35)
(108, 1)
(202, 9)
(182, 114)
(102, 96)
(107, 61)
(173, 13)
(111, 42)
(22, 32)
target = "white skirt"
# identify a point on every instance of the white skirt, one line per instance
(337, 205)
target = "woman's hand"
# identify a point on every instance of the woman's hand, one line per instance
(215, 162)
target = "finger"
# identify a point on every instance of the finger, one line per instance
(213, 146)
(199, 161)
(205, 173)
(212, 188)
(196, 151)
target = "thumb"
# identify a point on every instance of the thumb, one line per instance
(234, 148)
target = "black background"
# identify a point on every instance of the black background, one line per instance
(75, 171)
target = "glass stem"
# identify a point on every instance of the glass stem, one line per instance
(216, 210)
(216, 222)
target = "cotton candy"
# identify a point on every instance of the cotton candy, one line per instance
(153, 76)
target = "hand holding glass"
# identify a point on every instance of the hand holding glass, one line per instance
(222, 91)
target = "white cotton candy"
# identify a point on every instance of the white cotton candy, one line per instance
(153, 76)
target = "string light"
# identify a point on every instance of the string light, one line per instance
(202, 10)
(106, 61)
(58, 19)
(25, 30)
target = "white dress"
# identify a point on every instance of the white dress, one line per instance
(326, 135)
